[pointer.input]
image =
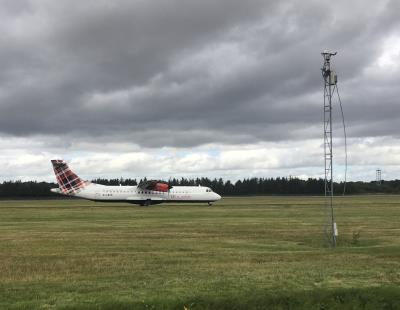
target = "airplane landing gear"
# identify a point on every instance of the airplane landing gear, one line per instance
(146, 203)
(210, 204)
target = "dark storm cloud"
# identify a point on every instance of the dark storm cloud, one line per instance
(184, 73)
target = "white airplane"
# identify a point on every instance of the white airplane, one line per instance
(146, 193)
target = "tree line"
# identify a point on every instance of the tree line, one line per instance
(247, 186)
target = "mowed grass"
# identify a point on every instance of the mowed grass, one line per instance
(242, 253)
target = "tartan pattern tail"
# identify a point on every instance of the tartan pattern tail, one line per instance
(68, 181)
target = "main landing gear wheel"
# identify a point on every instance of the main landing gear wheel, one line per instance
(146, 203)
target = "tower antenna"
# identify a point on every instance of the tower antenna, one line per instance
(330, 80)
(378, 176)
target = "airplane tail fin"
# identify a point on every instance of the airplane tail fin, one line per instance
(67, 180)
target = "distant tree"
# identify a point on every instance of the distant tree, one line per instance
(247, 186)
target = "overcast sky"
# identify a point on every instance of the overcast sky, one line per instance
(191, 88)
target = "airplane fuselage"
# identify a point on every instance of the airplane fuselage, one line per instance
(147, 193)
(135, 194)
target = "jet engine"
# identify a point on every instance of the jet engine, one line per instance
(155, 185)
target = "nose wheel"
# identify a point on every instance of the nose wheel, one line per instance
(210, 204)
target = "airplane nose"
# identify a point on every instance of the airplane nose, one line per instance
(217, 197)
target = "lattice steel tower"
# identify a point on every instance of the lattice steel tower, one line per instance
(378, 176)
(330, 80)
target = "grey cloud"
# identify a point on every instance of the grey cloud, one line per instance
(185, 73)
(15, 7)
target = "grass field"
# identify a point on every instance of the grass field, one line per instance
(242, 253)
